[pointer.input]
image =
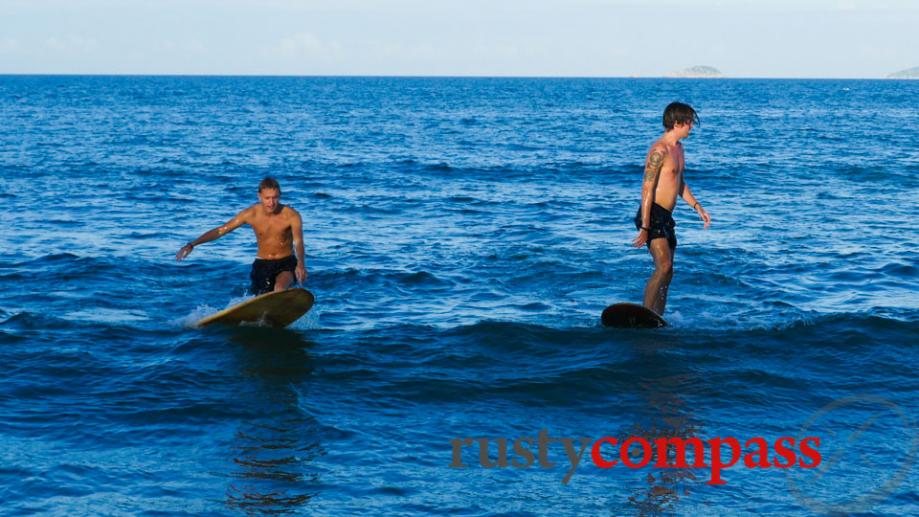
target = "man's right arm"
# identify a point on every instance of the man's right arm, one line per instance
(653, 167)
(216, 233)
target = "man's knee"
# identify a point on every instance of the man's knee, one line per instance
(283, 280)
(664, 267)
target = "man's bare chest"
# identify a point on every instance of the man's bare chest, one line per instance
(672, 168)
(273, 227)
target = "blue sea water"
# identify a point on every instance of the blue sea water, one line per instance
(463, 236)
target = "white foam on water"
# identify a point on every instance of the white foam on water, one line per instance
(675, 318)
(236, 301)
(309, 321)
(189, 320)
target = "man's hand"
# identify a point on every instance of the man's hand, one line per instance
(641, 239)
(707, 219)
(184, 251)
(300, 273)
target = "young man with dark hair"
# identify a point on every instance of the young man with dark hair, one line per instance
(663, 182)
(278, 229)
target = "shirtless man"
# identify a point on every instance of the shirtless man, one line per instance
(663, 182)
(278, 228)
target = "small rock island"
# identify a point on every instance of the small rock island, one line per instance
(909, 73)
(699, 71)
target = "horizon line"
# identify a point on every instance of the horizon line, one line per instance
(457, 76)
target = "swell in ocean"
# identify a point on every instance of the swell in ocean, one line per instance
(462, 236)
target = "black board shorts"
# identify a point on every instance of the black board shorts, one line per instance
(662, 225)
(264, 272)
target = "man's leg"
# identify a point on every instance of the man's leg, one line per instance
(283, 280)
(260, 278)
(656, 290)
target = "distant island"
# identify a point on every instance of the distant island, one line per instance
(910, 73)
(698, 71)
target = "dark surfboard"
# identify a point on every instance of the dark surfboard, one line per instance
(631, 315)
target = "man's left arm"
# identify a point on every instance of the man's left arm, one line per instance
(296, 229)
(687, 196)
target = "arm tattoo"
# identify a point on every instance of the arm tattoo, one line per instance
(655, 162)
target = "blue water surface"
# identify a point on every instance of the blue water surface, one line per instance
(463, 236)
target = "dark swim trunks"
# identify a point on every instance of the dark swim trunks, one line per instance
(662, 225)
(264, 272)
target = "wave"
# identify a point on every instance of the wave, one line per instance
(877, 173)
(859, 322)
(838, 329)
(101, 320)
(361, 278)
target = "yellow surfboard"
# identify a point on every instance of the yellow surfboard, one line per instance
(275, 309)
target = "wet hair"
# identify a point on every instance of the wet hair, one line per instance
(269, 182)
(679, 112)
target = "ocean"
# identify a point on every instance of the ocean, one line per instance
(463, 236)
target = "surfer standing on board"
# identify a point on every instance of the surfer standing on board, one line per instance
(278, 229)
(662, 184)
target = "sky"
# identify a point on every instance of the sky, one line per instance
(554, 38)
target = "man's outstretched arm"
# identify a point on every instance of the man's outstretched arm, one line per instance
(216, 233)
(690, 199)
